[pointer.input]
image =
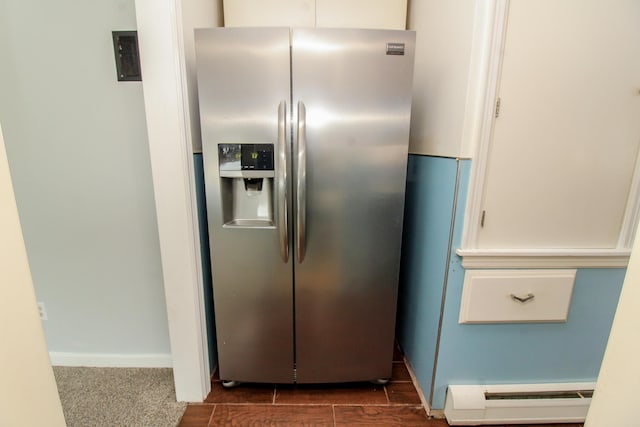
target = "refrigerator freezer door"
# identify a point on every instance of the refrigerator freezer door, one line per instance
(356, 89)
(243, 80)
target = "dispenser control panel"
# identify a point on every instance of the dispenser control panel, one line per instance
(245, 157)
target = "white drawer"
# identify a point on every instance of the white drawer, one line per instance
(512, 296)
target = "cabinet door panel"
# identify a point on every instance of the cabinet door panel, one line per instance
(379, 14)
(566, 140)
(271, 13)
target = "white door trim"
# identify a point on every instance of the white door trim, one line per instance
(491, 22)
(162, 58)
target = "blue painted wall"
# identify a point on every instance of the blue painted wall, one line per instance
(206, 260)
(498, 353)
(431, 185)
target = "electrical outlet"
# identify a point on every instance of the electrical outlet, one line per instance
(42, 310)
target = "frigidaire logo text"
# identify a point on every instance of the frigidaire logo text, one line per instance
(395, 48)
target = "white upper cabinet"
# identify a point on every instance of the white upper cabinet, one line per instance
(565, 143)
(379, 14)
(269, 13)
(556, 172)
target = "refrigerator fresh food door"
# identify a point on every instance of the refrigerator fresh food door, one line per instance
(244, 94)
(352, 97)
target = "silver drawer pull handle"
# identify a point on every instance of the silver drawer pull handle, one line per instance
(529, 297)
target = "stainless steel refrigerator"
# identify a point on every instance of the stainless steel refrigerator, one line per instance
(304, 137)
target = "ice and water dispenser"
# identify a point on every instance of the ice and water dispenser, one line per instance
(246, 181)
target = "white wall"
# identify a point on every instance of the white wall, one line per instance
(27, 378)
(444, 36)
(77, 146)
(616, 399)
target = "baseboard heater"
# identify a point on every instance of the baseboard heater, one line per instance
(517, 403)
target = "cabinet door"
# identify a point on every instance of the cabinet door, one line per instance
(269, 13)
(379, 14)
(566, 139)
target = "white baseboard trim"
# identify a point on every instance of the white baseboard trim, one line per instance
(435, 413)
(110, 360)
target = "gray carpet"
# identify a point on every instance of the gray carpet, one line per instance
(118, 397)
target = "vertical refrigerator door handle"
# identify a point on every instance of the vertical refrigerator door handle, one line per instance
(282, 182)
(301, 184)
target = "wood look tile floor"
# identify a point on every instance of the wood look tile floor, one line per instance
(359, 404)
